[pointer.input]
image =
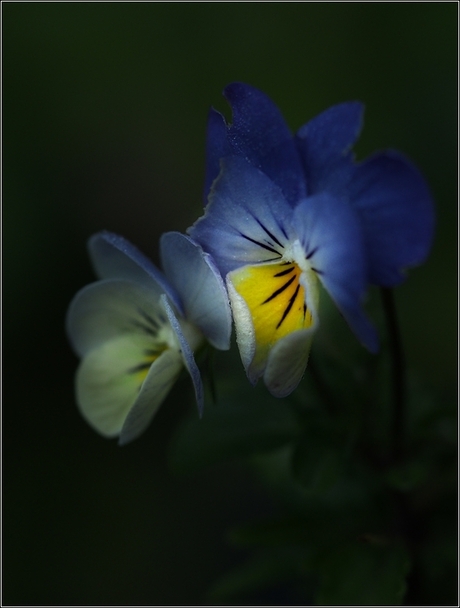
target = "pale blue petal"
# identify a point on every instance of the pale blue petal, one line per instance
(187, 354)
(159, 381)
(106, 309)
(114, 257)
(201, 288)
(244, 222)
(331, 236)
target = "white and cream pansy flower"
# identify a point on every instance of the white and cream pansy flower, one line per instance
(136, 328)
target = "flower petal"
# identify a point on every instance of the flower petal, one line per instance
(217, 146)
(269, 303)
(244, 221)
(397, 215)
(287, 362)
(245, 332)
(330, 234)
(114, 257)
(260, 135)
(160, 379)
(108, 381)
(187, 352)
(201, 288)
(107, 309)
(325, 143)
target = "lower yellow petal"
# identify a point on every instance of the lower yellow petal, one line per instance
(275, 300)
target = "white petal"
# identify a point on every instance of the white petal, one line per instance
(107, 309)
(107, 383)
(244, 327)
(287, 362)
(160, 379)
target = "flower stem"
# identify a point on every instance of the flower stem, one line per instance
(398, 373)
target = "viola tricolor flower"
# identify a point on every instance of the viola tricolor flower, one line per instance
(285, 213)
(136, 328)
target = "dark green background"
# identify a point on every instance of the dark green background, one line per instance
(104, 111)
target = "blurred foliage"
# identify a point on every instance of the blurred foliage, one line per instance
(234, 430)
(104, 111)
(355, 521)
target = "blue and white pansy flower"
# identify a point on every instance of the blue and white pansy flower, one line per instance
(136, 328)
(286, 213)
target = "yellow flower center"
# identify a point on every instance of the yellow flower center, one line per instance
(149, 356)
(161, 338)
(281, 298)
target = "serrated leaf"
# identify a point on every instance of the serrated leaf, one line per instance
(231, 431)
(366, 573)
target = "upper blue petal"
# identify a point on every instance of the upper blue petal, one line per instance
(261, 136)
(388, 193)
(202, 290)
(245, 220)
(330, 233)
(114, 257)
(217, 147)
(325, 144)
(397, 215)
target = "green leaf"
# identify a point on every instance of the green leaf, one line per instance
(260, 572)
(316, 463)
(439, 558)
(288, 531)
(368, 573)
(233, 430)
(427, 404)
(408, 476)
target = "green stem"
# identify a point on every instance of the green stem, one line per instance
(398, 373)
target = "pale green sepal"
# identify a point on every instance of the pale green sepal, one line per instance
(107, 384)
(245, 333)
(160, 379)
(287, 361)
